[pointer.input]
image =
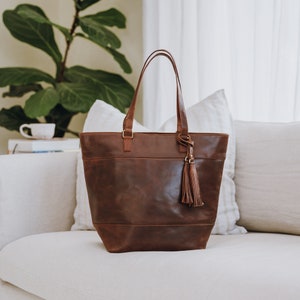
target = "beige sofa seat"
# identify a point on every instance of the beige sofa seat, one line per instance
(75, 265)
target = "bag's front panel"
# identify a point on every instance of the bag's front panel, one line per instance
(131, 193)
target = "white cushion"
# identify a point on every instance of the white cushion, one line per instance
(101, 117)
(268, 176)
(75, 265)
(32, 198)
(212, 115)
(82, 213)
(209, 115)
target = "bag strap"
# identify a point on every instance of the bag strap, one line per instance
(190, 189)
(182, 125)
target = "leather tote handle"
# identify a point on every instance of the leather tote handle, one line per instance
(182, 126)
(190, 188)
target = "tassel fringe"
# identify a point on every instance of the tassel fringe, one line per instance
(186, 193)
(190, 188)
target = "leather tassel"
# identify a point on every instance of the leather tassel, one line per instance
(190, 188)
(186, 193)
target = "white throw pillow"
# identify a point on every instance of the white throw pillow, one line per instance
(268, 176)
(82, 213)
(101, 117)
(212, 115)
(209, 115)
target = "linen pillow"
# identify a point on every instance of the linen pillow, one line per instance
(101, 117)
(212, 115)
(82, 213)
(268, 176)
(209, 115)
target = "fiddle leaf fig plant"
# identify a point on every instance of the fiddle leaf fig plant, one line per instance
(56, 98)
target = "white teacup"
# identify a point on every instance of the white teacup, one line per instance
(43, 131)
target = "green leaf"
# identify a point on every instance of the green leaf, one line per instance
(111, 17)
(120, 59)
(41, 103)
(98, 34)
(77, 97)
(22, 76)
(111, 88)
(21, 90)
(83, 4)
(27, 12)
(14, 117)
(31, 32)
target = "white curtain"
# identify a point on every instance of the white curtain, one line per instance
(250, 48)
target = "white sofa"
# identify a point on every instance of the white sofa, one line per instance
(43, 259)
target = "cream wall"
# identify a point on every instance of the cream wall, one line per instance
(15, 53)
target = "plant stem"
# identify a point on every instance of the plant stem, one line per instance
(61, 72)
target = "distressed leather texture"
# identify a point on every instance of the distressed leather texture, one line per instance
(135, 183)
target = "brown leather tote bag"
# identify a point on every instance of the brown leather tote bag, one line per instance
(153, 191)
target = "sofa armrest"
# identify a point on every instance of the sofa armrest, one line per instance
(37, 194)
